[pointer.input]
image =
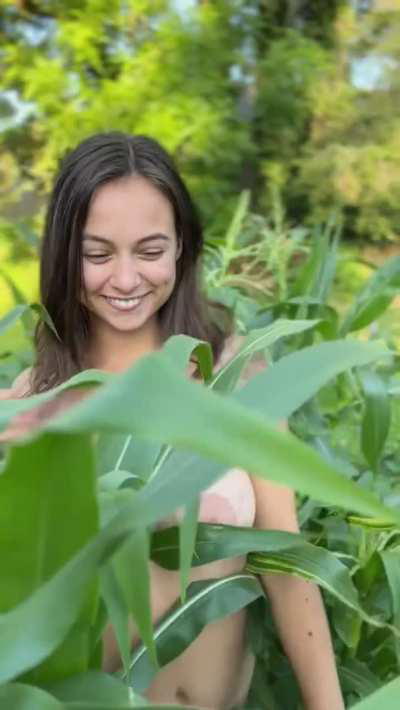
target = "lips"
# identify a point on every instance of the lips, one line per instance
(124, 304)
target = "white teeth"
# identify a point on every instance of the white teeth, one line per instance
(124, 304)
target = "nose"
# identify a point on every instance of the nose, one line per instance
(125, 277)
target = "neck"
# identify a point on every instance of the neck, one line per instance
(114, 351)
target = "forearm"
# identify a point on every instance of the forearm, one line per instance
(304, 632)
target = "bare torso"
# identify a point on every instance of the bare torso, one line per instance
(215, 670)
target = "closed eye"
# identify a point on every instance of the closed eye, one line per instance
(96, 256)
(153, 254)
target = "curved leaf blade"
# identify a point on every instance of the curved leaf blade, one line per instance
(281, 389)
(257, 340)
(376, 420)
(207, 601)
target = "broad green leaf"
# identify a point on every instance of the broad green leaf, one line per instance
(180, 349)
(22, 311)
(386, 698)
(144, 458)
(219, 542)
(295, 378)
(370, 523)
(374, 297)
(34, 629)
(279, 550)
(347, 625)
(187, 541)
(228, 376)
(117, 609)
(25, 638)
(19, 298)
(45, 317)
(126, 452)
(316, 277)
(48, 512)
(131, 568)
(314, 566)
(376, 420)
(207, 601)
(113, 480)
(219, 427)
(18, 696)
(94, 686)
(391, 563)
(11, 317)
(355, 676)
(230, 429)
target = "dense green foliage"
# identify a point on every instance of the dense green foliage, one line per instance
(300, 95)
(276, 97)
(340, 396)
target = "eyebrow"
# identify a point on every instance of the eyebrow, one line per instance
(104, 240)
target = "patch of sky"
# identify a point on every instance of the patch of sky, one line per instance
(34, 33)
(182, 6)
(370, 73)
(15, 111)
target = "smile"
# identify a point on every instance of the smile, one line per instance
(124, 304)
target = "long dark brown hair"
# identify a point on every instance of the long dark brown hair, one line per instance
(97, 160)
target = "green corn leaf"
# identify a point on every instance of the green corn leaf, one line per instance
(131, 568)
(391, 563)
(268, 550)
(49, 510)
(18, 696)
(295, 378)
(355, 676)
(376, 420)
(91, 687)
(228, 376)
(374, 297)
(117, 609)
(217, 427)
(207, 601)
(314, 567)
(12, 317)
(386, 698)
(187, 541)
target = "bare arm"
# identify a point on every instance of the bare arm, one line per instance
(298, 608)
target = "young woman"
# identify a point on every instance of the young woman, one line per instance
(119, 275)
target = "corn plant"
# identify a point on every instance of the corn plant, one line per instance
(82, 497)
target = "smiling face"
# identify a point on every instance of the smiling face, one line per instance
(129, 253)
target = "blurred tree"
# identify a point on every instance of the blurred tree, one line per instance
(135, 66)
(240, 91)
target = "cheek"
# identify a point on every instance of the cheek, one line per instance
(93, 276)
(162, 272)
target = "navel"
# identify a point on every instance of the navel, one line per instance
(182, 696)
